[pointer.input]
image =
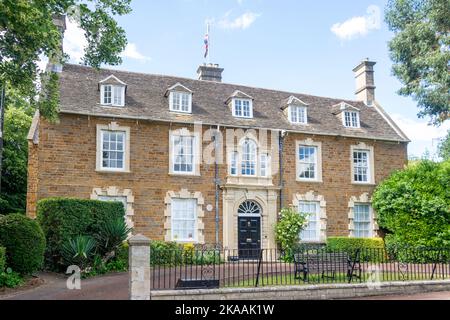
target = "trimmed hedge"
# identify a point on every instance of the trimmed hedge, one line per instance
(2, 259)
(372, 249)
(24, 242)
(64, 218)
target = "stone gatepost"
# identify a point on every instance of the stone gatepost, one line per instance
(139, 267)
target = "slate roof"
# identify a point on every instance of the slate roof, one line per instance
(145, 99)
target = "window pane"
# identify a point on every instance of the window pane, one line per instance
(107, 94)
(113, 155)
(238, 108)
(249, 151)
(118, 92)
(233, 164)
(264, 164)
(307, 162)
(311, 231)
(184, 219)
(183, 153)
(362, 220)
(361, 165)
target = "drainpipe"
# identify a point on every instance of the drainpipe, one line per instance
(281, 136)
(216, 183)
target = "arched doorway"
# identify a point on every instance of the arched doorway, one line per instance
(249, 230)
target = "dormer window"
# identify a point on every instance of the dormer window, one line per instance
(242, 108)
(112, 92)
(351, 119)
(348, 113)
(298, 114)
(241, 104)
(295, 110)
(180, 102)
(180, 98)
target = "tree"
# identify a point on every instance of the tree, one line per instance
(420, 51)
(413, 205)
(444, 147)
(18, 118)
(28, 31)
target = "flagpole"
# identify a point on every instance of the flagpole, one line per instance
(209, 42)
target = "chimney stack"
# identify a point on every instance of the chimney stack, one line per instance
(210, 72)
(55, 61)
(365, 83)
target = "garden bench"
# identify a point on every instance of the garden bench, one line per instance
(327, 264)
(196, 284)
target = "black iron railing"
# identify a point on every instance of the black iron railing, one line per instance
(212, 268)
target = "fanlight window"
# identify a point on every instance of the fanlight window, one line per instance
(249, 208)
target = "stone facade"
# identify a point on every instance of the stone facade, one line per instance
(62, 163)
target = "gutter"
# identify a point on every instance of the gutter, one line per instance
(216, 185)
(231, 126)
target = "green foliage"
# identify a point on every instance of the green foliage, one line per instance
(15, 154)
(171, 253)
(444, 147)
(24, 242)
(111, 235)
(420, 53)
(413, 205)
(28, 32)
(78, 251)
(288, 228)
(2, 259)
(10, 279)
(63, 219)
(371, 249)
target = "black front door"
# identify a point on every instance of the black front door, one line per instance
(249, 237)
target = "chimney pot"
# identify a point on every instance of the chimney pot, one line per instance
(365, 83)
(210, 72)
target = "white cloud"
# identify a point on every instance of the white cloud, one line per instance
(358, 26)
(131, 51)
(75, 43)
(423, 136)
(241, 22)
(74, 40)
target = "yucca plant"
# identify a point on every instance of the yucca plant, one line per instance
(78, 251)
(111, 236)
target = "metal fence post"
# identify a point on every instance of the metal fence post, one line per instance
(139, 267)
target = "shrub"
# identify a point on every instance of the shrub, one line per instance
(63, 219)
(172, 253)
(78, 251)
(24, 242)
(111, 236)
(413, 205)
(288, 228)
(2, 259)
(372, 249)
(10, 279)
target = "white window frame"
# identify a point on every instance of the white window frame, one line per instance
(316, 220)
(115, 89)
(362, 147)
(181, 94)
(234, 163)
(113, 127)
(255, 160)
(194, 219)
(264, 165)
(370, 221)
(298, 110)
(195, 150)
(241, 115)
(318, 163)
(102, 132)
(353, 122)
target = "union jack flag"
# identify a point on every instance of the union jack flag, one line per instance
(206, 45)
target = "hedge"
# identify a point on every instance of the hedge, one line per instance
(2, 259)
(65, 218)
(371, 248)
(24, 242)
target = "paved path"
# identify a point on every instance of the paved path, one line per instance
(110, 287)
(115, 287)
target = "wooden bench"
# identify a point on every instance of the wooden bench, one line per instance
(327, 264)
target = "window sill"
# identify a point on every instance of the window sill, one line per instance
(178, 174)
(112, 171)
(308, 181)
(363, 183)
(111, 106)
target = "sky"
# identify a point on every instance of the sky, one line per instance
(307, 47)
